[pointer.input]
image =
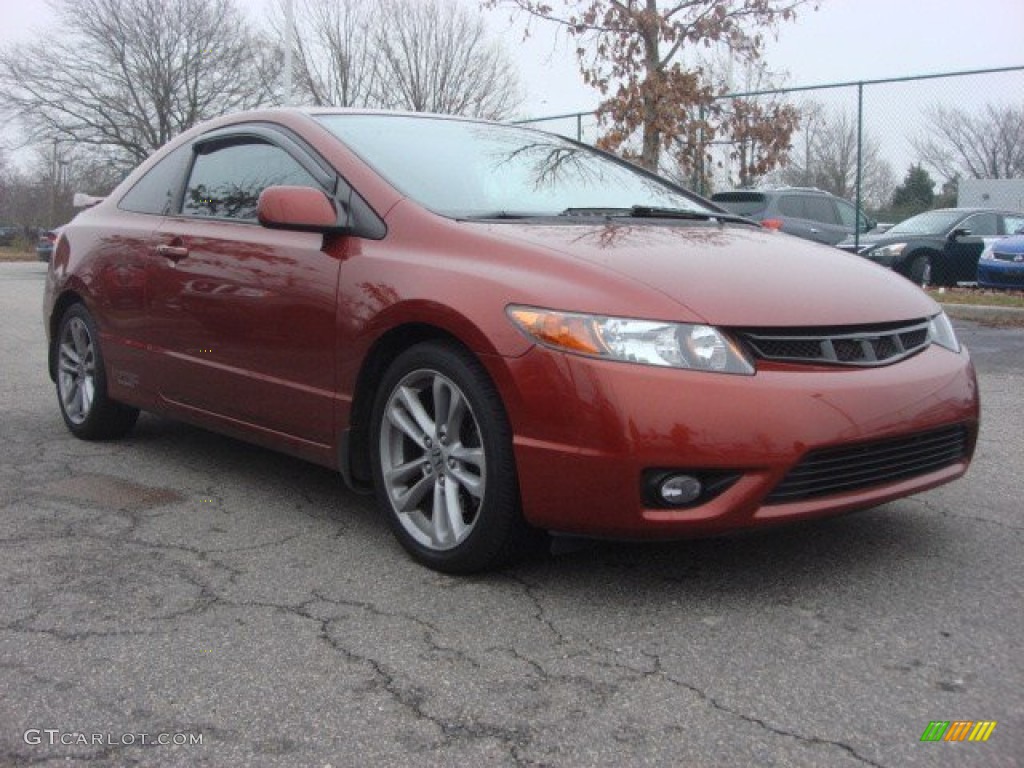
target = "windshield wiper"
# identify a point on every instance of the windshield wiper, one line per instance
(501, 215)
(654, 212)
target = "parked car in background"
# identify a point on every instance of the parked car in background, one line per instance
(44, 243)
(808, 213)
(940, 247)
(7, 234)
(1002, 263)
(501, 332)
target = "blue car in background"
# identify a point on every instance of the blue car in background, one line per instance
(1002, 263)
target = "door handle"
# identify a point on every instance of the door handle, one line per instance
(172, 252)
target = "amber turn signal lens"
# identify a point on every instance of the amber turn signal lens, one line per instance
(570, 332)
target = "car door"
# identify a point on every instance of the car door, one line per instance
(244, 316)
(961, 252)
(811, 217)
(794, 218)
(825, 226)
(120, 275)
(851, 219)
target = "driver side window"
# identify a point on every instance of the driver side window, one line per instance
(226, 179)
(981, 225)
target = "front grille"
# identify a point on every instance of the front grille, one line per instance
(861, 346)
(1007, 256)
(851, 467)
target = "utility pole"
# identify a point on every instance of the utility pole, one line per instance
(289, 35)
(54, 170)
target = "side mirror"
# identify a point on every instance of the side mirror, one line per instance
(959, 232)
(301, 209)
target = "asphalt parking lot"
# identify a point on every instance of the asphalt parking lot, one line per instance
(179, 586)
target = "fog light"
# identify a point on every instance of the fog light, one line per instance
(679, 490)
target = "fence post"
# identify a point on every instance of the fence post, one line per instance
(860, 161)
(700, 152)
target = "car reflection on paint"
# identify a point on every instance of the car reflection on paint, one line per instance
(501, 333)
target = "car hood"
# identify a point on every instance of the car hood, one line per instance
(732, 275)
(864, 240)
(1013, 244)
(885, 238)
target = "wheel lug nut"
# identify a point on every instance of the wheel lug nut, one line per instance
(451, 463)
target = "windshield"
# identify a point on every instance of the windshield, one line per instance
(467, 169)
(927, 223)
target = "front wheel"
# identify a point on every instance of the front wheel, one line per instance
(82, 382)
(444, 471)
(920, 270)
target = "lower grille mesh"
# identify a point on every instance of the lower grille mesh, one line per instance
(852, 467)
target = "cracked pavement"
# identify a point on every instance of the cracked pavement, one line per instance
(182, 582)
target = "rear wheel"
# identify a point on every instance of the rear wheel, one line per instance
(82, 382)
(443, 465)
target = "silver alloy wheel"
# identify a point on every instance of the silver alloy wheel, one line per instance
(76, 372)
(432, 460)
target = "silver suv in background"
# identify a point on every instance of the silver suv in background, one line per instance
(802, 211)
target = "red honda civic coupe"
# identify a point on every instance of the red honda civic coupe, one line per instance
(501, 332)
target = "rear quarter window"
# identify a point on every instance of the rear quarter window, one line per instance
(792, 205)
(821, 209)
(157, 192)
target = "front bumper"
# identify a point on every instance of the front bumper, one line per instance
(1000, 274)
(586, 431)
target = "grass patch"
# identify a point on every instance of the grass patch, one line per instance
(17, 253)
(978, 297)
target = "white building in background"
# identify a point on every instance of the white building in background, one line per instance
(991, 193)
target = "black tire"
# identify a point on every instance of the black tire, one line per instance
(920, 270)
(426, 479)
(88, 411)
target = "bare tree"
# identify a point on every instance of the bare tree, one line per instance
(419, 55)
(334, 56)
(756, 131)
(986, 144)
(826, 157)
(435, 56)
(131, 74)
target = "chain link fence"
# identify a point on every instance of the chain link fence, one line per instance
(859, 140)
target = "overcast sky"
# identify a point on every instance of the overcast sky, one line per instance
(845, 40)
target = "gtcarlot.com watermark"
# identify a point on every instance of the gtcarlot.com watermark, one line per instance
(55, 737)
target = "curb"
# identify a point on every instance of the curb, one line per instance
(983, 313)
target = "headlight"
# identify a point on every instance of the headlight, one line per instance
(648, 342)
(941, 332)
(886, 253)
(988, 254)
